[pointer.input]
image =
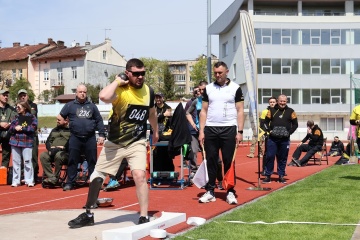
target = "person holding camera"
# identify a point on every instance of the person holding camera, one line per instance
(56, 146)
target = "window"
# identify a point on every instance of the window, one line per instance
(234, 44)
(266, 36)
(46, 75)
(357, 66)
(20, 73)
(357, 36)
(266, 65)
(295, 35)
(305, 66)
(315, 66)
(332, 124)
(335, 36)
(295, 66)
(315, 36)
(59, 76)
(285, 66)
(276, 36)
(315, 96)
(325, 36)
(258, 35)
(325, 66)
(234, 71)
(335, 66)
(74, 72)
(325, 96)
(225, 49)
(305, 33)
(179, 77)
(285, 36)
(104, 55)
(276, 66)
(13, 74)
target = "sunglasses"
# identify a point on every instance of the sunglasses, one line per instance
(138, 74)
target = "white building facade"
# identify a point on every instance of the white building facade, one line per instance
(306, 50)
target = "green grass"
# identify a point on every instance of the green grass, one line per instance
(49, 122)
(331, 196)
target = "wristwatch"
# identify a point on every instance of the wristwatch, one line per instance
(241, 131)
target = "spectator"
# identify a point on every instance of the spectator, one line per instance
(316, 141)
(221, 127)
(163, 111)
(84, 120)
(355, 121)
(272, 102)
(23, 96)
(56, 146)
(126, 139)
(8, 114)
(22, 135)
(337, 147)
(280, 122)
(114, 179)
(162, 160)
(194, 109)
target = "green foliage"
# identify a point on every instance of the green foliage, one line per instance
(93, 92)
(154, 73)
(169, 84)
(330, 196)
(46, 95)
(112, 78)
(21, 83)
(199, 71)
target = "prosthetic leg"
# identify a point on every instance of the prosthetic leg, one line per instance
(93, 194)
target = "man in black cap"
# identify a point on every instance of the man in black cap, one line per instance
(23, 96)
(7, 115)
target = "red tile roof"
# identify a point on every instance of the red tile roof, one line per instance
(19, 53)
(62, 52)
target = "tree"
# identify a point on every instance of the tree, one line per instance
(154, 73)
(169, 83)
(21, 83)
(93, 92)
(45, 96)
(199, 71)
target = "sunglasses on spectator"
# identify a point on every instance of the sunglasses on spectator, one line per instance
(138, 74)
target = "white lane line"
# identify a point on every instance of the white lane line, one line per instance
(33, 204)
(127, 206)
(34, 189)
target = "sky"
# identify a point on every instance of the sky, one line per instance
(160, 29)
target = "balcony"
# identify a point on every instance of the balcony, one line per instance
(56, 82)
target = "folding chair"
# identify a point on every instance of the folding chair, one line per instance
(322, 155)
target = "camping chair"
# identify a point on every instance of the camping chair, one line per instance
(322, 155)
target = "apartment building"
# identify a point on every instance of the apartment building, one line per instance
(181, 70)
(305, 49)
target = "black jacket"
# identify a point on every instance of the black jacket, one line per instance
(84, 118)
(316, 137)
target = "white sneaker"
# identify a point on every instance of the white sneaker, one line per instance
(230, 198)
(30, 184)
(207, 197)
(15, 185)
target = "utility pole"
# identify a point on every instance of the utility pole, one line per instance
(106, 29)
(208, 41)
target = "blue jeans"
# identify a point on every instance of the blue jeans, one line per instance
(278, 147)
(25, 153)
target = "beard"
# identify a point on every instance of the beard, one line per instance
(135, 85)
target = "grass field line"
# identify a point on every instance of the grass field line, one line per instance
(294, 222)
(130, 205)
(34, 204)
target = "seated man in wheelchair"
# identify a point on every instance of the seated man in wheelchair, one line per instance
(56, 145)
(316, 141)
